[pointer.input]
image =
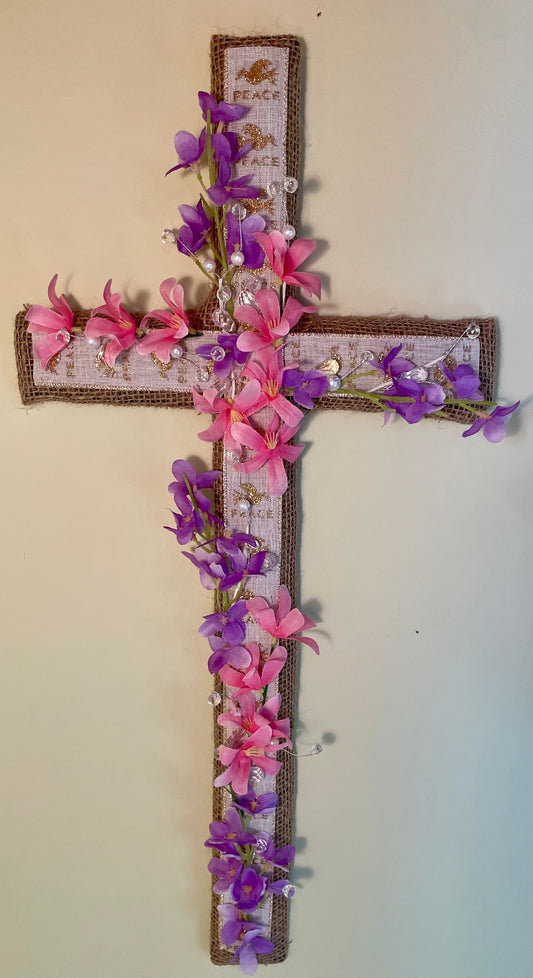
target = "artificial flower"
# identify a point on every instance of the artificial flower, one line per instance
(186, 486)
(254, 750)
(229, 623)
(160, 341)
(269, 324)
(248, 890)
(112, 322)
(250, 718)
(281, 622)
(271, 449)
(493, 424)
(219, 111)
(280, 858)
(189, 149)
(53, 326)
(228, 188)
(261, 671)
(240, 236)
(306, 387)
(232, 355)
(426, 399)
(268, 371)
(226, 565)
(464, 381)
(254, 804)
(225, 652)
(229, 833)
(228, 870)
(226, 146)
(252, 944)
(193, 233)
(284, 259)
(186, 525)
(227, 412)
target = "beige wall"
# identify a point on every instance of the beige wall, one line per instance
(416, 545)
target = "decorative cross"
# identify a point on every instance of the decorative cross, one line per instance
(262, 73)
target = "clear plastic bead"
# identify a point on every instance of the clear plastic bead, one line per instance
(214, 698)
(270, 561)
(419, 374)
(334, 383)
(288, 891)
(245, 298)
(256, 775)
(176, 351)
(316, 749)
(288, 232)
(239, 211)
(202, 375)
(224, 293)
(217, 353)
(168, 236)
(366, 355)
(274, 189)
(473, 331)
(261, 845)
(290, 184)
(222, 319)
(245, 506)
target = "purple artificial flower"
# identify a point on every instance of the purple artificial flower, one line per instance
(493, 424)
(244, 239)
(227, 653)
(186, 525)
(227, 189)
(232, 354)
(228, 870)
(189, 149)
(277, 887)
(253, 943)
(392, 365)
(193, 233)
(427, 398)
(306, 387)
(464, 381)
(227, 565)
(267, 853)
(229, 623)
(263, 805)
(187, 485)
(248, 890)
(226, 147)
(229, 833)
(220, 111)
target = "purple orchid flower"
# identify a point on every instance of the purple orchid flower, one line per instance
(227, 565)
(253, 943)
(193, 233)
(227, 189)
(244, 239)
(228, 870)
(232, 354)
(187, 484)
(189, 149)
(464, 380)
(229, 623)
(220, 111)
(266, 851)
(493, 424)
(254, 805)
(427, 398)
(248, 890)
(227, 653)
(392, 365)
(226, 147)
(306, 387)
(227, 834)
(186, 526)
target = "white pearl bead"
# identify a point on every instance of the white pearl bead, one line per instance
(245, 506)
(237, 258)
(94, 341)
(176, 351)
(288, 232)
(209, 266)
(334, 383)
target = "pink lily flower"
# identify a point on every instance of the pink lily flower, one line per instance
(54, 327)
(161, 341)
(240, 759)
(269, 325)
(257, 676)
(228, 412)
(284, 260)
(251, 719)
(268, 371)
(270, 449)
(281, 622)
(114, 323)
